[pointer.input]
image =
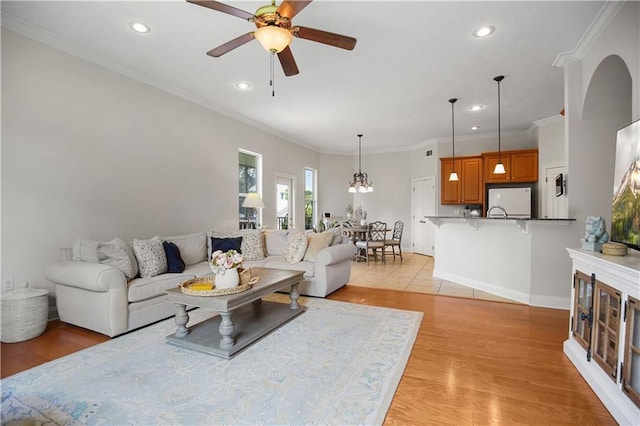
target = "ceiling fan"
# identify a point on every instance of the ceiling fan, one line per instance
(274, 31)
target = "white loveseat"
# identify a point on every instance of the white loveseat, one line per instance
(99, 296)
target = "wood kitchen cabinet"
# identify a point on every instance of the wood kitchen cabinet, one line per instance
(469, 189)
(520, 166)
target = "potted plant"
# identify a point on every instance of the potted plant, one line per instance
(349, 211)
(225, 267)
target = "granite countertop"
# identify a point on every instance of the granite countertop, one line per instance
(501, 218)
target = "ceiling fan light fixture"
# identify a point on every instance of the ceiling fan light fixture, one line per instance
(273, 39)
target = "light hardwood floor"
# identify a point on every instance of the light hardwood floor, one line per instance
(474, 362)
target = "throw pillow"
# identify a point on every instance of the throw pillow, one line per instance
(150, 255)
(336, 236)
(296, 248)
(118, 254)
(317, 242)
(225, 244)
(175, 264)
(252, 246)
(86, 250)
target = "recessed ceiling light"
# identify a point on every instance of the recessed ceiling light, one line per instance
(476, 107)
(243, 85)
(140, 27)
(475, 127)
(484, 31)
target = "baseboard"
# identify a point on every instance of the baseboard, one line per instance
(483, 286)
(53, 313)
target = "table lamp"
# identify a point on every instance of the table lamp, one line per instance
(253, 200)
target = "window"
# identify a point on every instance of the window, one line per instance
(248, 177)
(310, 213)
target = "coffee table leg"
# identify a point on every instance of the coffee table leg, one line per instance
(182, 318)
(226, 330)
(294, 294)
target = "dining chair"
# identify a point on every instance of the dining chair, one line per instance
(396, 239)
(374, 241)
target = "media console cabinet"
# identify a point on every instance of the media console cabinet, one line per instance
(604, 329)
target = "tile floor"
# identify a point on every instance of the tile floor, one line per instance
(414, 273)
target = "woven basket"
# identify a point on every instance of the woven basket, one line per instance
(246, 282)
(614, 249)
(24, 314)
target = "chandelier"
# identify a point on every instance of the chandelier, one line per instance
(360, 181)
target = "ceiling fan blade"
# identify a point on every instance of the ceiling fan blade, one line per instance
(290, 8)
(288, 63)
(224, 8)
(230, 45)
(325, 37)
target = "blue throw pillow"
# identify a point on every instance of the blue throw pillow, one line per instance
(225, 244)
(175, 264)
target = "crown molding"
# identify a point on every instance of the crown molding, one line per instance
(545, 122)
(600, 22)
(38, 34)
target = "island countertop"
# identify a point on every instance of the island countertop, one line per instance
(541, 219)
(524, 260)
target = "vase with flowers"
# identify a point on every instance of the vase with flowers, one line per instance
(225, 266)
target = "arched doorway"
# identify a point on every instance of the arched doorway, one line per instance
(607, 107)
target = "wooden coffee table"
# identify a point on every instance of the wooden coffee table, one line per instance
(244, 317)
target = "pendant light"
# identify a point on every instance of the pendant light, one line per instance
(499, 169)
(360, 181)
(453, 176)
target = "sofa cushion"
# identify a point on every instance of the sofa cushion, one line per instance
(86, 250)
(296, 248)
(199, 269)
(150, 256)
(252, 246)
(279, 262)
(193, 247)
(118, 254)
(337, 236)
(175, 264)
(317, 242)
(226, 244)
(275, 242)
(149, 287)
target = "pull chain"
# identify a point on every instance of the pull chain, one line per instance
(272, 81)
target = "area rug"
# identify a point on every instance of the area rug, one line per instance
(336, 364)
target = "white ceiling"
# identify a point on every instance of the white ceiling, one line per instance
(411, 57)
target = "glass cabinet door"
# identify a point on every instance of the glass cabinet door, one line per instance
(607, 327)
(631, 379)
(582, 310)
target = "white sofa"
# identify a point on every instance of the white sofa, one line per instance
(99, 296)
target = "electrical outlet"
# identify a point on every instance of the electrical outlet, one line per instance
(456, 212)
(7, 284)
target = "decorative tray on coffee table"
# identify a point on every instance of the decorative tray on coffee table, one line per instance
(206, 286)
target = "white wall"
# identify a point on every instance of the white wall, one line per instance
(88, 152)
(602, 94)
(550, 133)
(391, 199)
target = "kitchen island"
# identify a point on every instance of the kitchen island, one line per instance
(521, 259)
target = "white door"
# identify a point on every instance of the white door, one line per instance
(285, 206)
(555, 206)
(424, 204)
